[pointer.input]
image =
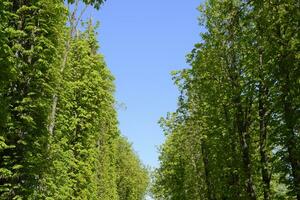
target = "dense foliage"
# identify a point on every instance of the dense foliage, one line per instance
(59, 136)
(235, 134)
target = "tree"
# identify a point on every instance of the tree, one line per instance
(31, 51)
(132, 176)
(237, 109)
(59, 136)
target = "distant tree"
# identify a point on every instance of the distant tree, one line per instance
(132, 176)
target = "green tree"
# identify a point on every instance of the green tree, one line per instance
(30, 48)
(237, 108)
(82, 150)
(132, 176)
(59, 136)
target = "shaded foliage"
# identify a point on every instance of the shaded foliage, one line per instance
(235, 134)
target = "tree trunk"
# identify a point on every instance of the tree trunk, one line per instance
(234, 179)
(292, 140)
(243, 109)
(264, 158)
(62, 68)
(209, 185)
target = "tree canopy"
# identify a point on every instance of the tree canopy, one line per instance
(235, 134)
(59, 136)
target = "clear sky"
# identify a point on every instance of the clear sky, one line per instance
(143, 41)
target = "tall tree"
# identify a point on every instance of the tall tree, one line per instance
(59, 136)
(238, 105)
(31, 52)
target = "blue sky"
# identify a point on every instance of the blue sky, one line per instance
(143, 41)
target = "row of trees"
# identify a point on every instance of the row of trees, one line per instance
(235, 134)
(59, 136)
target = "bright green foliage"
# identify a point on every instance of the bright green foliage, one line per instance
(85, 124)
(59, 136)
(180, 175)
(132, 178)
(235, 134)
(84, 146)
(90, 159)
(30, 39)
